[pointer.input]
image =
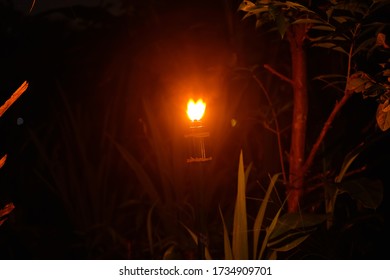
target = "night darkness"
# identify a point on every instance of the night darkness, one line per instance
(96, 154)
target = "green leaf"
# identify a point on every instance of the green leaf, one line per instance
(269, 231)
(282, 24)
(369, 192)
(195, 238)
(295, 242)
(261, 213)
(329, 45)
(256, 12)
(348, 160)
(226, 240)
(240, 228)
(292, 229)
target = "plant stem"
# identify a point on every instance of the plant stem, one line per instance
(296, 36)
(277, 127)
(276, 73)
(13, 98)
(336, 109)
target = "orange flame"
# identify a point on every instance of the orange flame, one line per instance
(195, 111)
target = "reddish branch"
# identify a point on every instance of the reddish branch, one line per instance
(296, 36)
(13, 98)
(276, 73)
(325, 128)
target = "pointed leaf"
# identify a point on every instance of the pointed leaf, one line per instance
(349, 158)
(261, 213)
(195, 238)
(246, 6)
(383, 117)
(256, 12)
(295, 224)
(240, 228)
(269, 231)
(295, 242)
(226, 240)
(282, 24)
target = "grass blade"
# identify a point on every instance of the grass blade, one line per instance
(240, 228)
(260, 215)
(226, 240)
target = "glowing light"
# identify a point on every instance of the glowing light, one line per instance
(195, 111)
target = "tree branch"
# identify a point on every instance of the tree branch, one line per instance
(277, 127)
(276, 73)
(336, 109)
(13, 98)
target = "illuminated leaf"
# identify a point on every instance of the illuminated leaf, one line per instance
(381, 40)
(383, 116)
(240, 228)
(282, 24)
(246, 6)
(2, 161)
(226, 240)
(5, 211)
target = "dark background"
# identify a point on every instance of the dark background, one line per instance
(105, 70)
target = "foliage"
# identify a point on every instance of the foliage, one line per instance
(79, 167)
(284, 233)
(347, 27)
(350, 30)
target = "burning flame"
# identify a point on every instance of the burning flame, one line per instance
(195, 111)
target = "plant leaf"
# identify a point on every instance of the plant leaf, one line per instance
(240, 228)
(269, 231)
(140, 172)
(368, 192)
(292, 229)
(246, 6)
(5, 211)
(226, 240)
(383, 117)
(261, 213)
(349, 158)
(195, 238)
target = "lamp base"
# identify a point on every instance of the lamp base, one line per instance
(198, 143)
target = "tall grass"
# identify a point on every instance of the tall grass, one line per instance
(80, 165)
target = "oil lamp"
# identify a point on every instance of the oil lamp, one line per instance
(198, 136)
(198, 156)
